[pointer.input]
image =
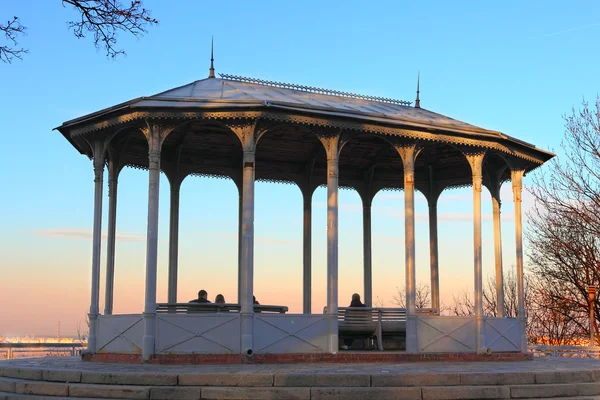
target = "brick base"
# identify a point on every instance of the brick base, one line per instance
(339, 358)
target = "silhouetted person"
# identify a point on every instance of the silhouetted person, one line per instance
(220, 299)
(354, 303)
(202, 297)
(254, 300)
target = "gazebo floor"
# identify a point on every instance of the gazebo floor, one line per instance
(344, 357)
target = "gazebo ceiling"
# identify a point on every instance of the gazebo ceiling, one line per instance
(290, 151)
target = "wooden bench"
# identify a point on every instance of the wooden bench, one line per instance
(193, 308)
(369, 322)
(360, 322)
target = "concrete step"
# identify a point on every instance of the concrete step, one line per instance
(25, 383)
(15, 396)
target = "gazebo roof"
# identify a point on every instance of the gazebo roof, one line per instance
(284, 154)
(235, 91)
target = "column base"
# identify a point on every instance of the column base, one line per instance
(332, 334)
(412, 343)
(148, 339)
(523, 334)
(480, 341)
(247, 334)
(93, 333)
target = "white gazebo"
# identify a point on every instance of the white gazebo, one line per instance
(247, 130)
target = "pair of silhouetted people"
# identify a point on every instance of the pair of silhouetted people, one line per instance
(354, 303)
(220, 299)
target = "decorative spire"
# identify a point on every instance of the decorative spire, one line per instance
(418, 101)
(211, 73)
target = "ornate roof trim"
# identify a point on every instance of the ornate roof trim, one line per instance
(312, 89)
(331, 123)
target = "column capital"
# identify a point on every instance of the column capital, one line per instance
(475, 160)
(156, 133)
(408, 154)
(516, 176)
(332, 146)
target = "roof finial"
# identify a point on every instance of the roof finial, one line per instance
(418, 101)
(211, 73)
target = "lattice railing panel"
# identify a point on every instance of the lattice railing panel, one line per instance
(120, 333)
(439, 334)
(290, 333)
(502, 334)
(200, 333)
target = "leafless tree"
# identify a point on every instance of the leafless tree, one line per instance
(422, 294)
(103, 19)
(564, 225)
(9, 49)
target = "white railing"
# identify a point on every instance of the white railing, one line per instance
(11, 350)
(565, 351)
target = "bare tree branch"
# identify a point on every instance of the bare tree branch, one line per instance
(564, 230)
(10, 50)
(104, 19)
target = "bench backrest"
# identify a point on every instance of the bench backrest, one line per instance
(192, 308)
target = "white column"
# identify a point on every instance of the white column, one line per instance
(307, 251)
(151, 241)
(240, 213)
(476, 162)
(174, 239)
(247, 256)
(332, 247)
(367, 254)
(433, 253)
(96, 246)
(517, 184)
(498, 255)
(408, 160)
(110, 240)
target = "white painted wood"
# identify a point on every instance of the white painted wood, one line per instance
(498, 256)
(332, 244)
(502, 334)
(173, 241)
(408, 159)
(307, 252)
(240, 213)
(476, 162)
(247, 257)
(151, 241)
(111, 237)
(367, 255)
(290, 333)
(202, 333)
(96, 245)
(120, 333)
(517, 184)
(445, 334)
(433, 256)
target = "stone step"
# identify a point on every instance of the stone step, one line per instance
(15, 396)
(297, 386)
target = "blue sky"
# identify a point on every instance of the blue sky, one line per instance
(513, 66)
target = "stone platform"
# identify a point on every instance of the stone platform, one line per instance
(344, 357)
(54, 378)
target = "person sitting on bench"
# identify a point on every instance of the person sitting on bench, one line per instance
(354, 303)
(220, 299)
(202, 297)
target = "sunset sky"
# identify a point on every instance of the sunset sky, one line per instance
(507, 66)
